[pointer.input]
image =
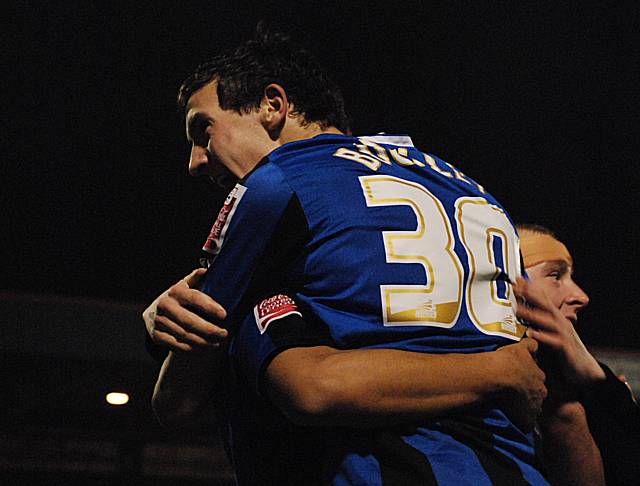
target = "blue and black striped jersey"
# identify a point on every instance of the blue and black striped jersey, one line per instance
(384, 246)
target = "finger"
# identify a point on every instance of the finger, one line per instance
(194, 278)
(546, 339)
(193, 323)
(534, 296)
(178, 332)
(538, 318)
(533, 317)
(186, 296)
(202, 302)
(519, 286)
(530, 344)
(197, 344)
(180, 288)
(523, 295)
(520, 280)
(166, 339)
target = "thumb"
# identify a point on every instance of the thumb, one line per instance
(531, 345)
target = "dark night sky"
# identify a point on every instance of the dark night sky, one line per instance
(538, 101)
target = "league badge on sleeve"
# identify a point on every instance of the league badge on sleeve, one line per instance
(272, 309)
(219, 228)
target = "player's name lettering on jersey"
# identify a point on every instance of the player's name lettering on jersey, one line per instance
(372, 155)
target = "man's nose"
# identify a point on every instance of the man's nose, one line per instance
(577, 296)
(198, 161)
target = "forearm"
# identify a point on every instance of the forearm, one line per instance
(570, 453)
(374, 387)
(614, 420)
(184, 386)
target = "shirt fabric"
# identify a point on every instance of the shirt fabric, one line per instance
(380, 245)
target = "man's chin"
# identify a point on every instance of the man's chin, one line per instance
(222, 177)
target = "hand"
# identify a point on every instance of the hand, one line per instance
(557, 335)
(526, 390)
(174, 318)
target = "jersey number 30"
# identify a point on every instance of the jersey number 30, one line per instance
(490, 243)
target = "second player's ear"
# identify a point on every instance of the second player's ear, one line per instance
(275, 107)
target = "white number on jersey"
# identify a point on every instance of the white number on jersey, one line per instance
(481, 228)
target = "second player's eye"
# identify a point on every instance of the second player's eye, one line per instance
(555, 275)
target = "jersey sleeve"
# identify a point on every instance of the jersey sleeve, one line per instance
(614, 420)
(274, 325)
(240, 236)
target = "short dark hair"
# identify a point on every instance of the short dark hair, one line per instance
(535, 228)
(243, 73)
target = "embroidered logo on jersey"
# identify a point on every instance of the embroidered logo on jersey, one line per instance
(219, 228)
(272, 309)
(509, 324)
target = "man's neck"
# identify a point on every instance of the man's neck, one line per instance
(292, 132)
(296, 132)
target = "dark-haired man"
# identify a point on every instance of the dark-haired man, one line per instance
(384, 248)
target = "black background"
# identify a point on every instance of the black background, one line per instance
(538, 101)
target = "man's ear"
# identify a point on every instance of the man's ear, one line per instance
(275, 107)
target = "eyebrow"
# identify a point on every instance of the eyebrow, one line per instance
(560, 266)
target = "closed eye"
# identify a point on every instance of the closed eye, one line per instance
(557, 270)
(197, 131)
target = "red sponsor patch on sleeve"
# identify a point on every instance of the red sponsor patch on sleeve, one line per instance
(219, 228)
(272, 309)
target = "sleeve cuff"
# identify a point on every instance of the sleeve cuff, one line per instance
(612, 398)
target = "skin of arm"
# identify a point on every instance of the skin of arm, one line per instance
(363, 388)
(569, 450)
(323, 385)
(570, 453)
(377, 387)
(187, 377)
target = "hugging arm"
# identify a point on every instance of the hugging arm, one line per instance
(315, 383)
(379, 387)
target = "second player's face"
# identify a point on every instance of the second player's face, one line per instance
(557, 281)
(237, 141)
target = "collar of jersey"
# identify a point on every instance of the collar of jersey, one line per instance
(328, 138)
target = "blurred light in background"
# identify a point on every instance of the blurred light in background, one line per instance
(117, 398)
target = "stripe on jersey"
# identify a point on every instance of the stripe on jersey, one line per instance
(400, 463)
(501, 470)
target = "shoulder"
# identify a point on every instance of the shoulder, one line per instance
(259, 200)
(264, 186)
(309, 150)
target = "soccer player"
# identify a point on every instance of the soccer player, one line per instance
(584, 395)
(382, 247)
(613, 414)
